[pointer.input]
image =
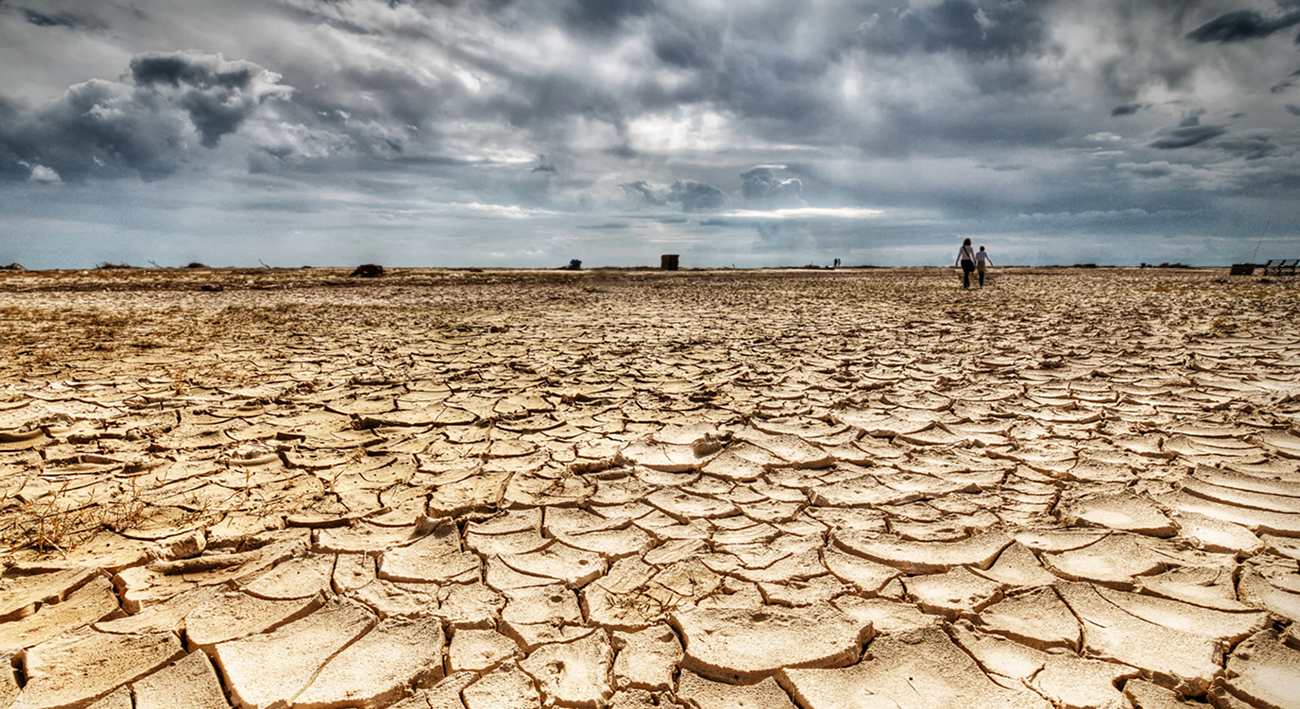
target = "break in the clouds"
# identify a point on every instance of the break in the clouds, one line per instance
(530, 132)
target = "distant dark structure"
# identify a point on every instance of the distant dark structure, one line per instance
(574, 265)
(668, 262)
(368, 270)
(13, 267)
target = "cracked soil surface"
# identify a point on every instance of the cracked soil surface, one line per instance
(482, 489)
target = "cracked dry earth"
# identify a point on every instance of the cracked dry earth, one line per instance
(451, 489)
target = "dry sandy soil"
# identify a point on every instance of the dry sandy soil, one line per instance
(849, 489)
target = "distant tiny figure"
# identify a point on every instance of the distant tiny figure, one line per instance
(837, 263)
(982, 261)
(966, 259)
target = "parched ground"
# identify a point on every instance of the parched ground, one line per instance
(482, 489)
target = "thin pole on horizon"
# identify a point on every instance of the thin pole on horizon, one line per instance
(1261, 239)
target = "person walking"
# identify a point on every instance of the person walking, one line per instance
(982, 261)
(966, 259)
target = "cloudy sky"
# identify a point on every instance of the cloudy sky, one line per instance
(732, 132)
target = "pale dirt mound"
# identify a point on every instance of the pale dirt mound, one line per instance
(632, 489)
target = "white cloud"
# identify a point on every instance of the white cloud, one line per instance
(805, 213)
(507, 211)
(40, 173)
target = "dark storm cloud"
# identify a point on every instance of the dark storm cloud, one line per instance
(982, 28)
(1188, 133)
(1293, 109)
(1127, 109)
(760, 186)
(41, 19)
(1250, 147)
(99, 127)
(109, 129)
(1242, 25)
(696, 196)
(13, 166)
(195, 70)
(691, 195)
(218, 95)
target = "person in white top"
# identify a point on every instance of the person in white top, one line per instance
(982, 261)
(966, 259)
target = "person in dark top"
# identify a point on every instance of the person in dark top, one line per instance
(966, 259)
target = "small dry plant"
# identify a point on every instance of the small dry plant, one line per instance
(51, 523)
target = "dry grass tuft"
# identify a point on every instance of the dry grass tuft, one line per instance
(54, 523)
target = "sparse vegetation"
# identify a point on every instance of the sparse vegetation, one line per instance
(57, 521)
